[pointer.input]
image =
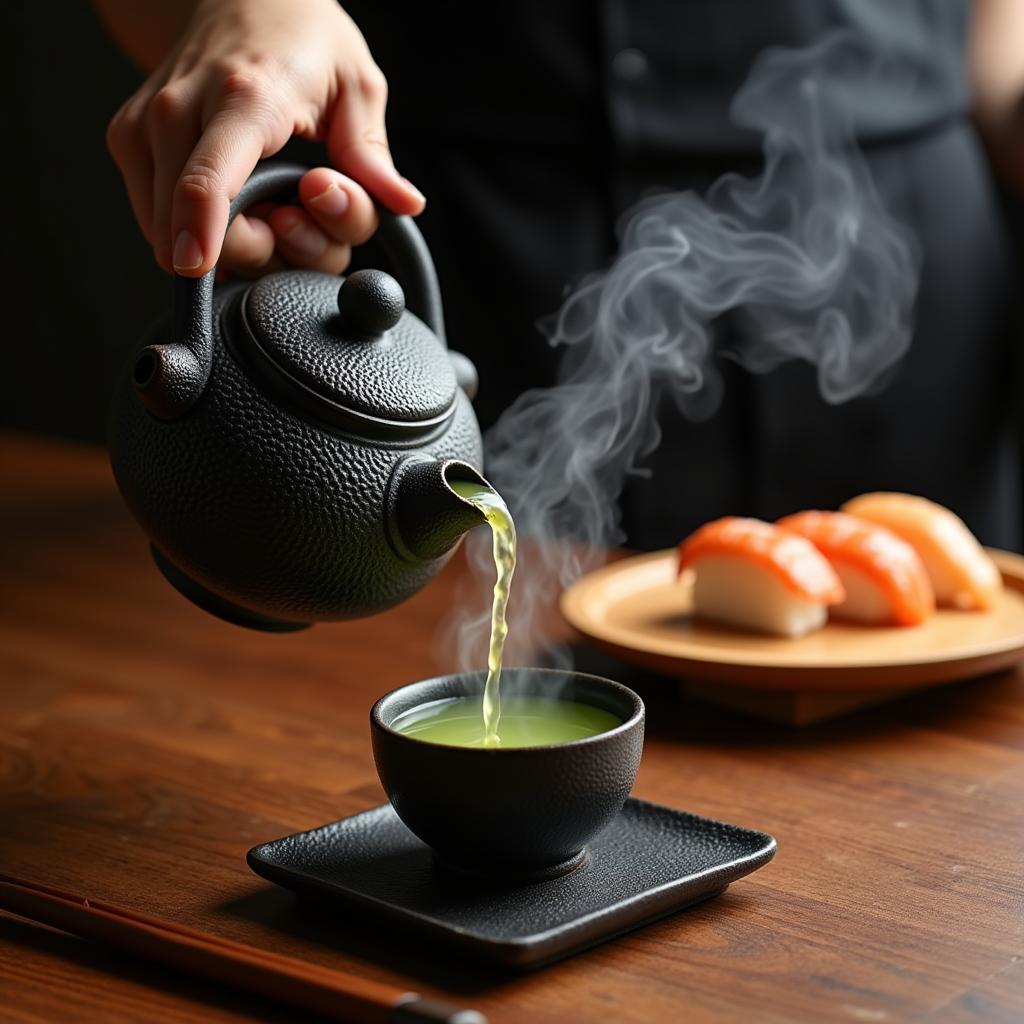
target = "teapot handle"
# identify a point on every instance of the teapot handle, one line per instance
(192, 355)
(399, 237)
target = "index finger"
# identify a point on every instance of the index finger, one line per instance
(214, 173)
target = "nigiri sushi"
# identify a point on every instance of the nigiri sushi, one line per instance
(884, 579)
(759, 576)
(962, 575)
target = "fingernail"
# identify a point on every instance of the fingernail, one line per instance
(333, 201)
(187, 254)
(306, 239)
(414, 190)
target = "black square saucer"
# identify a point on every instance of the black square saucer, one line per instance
(648, 862)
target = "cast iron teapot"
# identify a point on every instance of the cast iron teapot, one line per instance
(287, 444)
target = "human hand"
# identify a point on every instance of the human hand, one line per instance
(996, 67)
(242, 78)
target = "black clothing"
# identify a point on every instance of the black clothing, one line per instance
(531, 127)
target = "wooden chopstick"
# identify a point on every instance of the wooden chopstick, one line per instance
(332, 994)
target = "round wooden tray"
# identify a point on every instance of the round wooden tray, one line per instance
(637, 610)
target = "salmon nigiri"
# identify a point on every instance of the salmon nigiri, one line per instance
(962, 575)
(884, 579)
(759, 576)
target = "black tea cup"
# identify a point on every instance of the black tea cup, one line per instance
(519, 813)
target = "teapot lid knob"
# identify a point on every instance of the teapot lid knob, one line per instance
(370, 302)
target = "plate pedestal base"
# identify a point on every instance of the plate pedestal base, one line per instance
(789, 707)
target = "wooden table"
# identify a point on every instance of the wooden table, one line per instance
(144, 747)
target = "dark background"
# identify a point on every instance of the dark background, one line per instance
(83, 284)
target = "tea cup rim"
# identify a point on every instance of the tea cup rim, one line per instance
(638, 715)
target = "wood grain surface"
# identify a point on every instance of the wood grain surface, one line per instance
(144, 747)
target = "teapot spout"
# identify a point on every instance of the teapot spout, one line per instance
(426, 518)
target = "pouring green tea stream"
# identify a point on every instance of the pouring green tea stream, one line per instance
(503, 532)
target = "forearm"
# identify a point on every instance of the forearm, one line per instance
(145, 32)
(996, 68)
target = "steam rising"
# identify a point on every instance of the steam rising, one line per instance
(805, 255)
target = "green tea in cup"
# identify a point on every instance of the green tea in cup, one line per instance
(526, 721)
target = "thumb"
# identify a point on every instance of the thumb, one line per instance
(357, 144)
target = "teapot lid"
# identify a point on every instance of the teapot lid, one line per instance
(354, 356)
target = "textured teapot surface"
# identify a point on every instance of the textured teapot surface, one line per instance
(340, 347)
(285, 488)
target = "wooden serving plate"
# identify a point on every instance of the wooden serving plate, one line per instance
(639, 611)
